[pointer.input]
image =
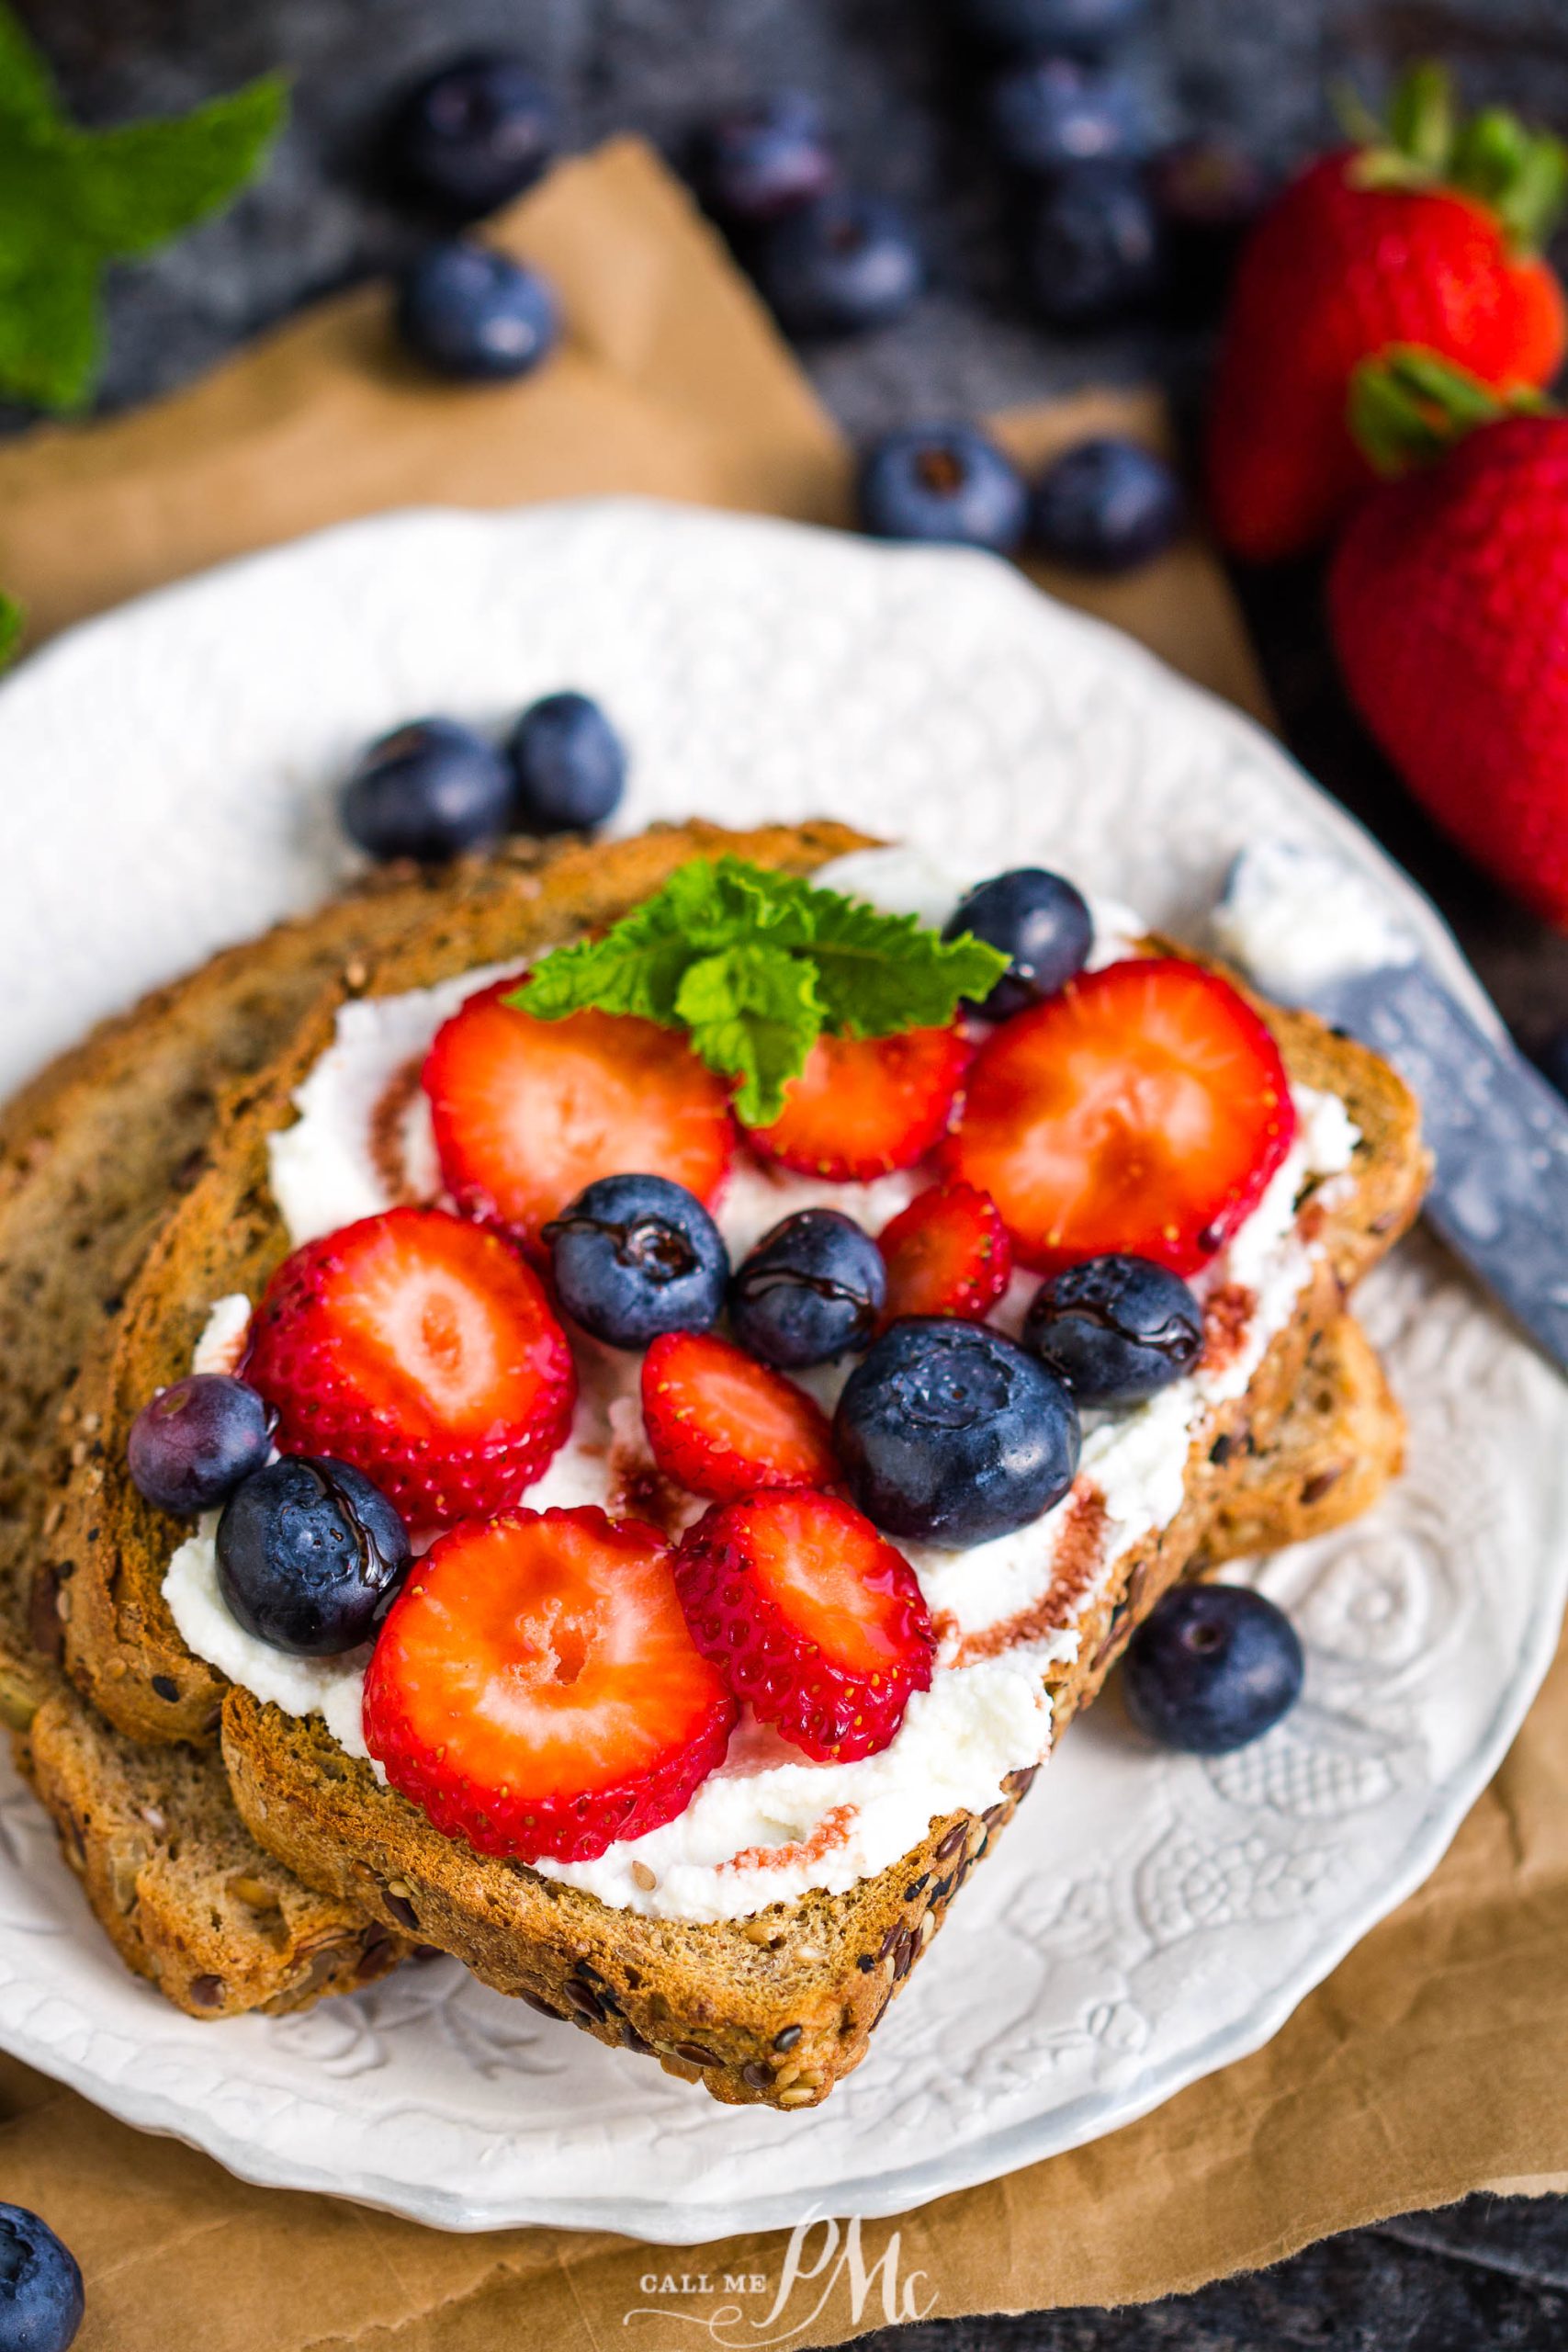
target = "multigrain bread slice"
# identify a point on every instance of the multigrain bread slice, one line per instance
(93, 1154)
(776, 2008)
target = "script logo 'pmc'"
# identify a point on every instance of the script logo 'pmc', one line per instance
(839, 2257)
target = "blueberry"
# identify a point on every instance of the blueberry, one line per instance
(951, 1434)
(1106, 505)
(1093, 246)
(1069, 28)
(1039, 921)
(40, 2286)
(845, 262)
(764, 159)
(1115, 1330)
(944, 482)
(1048, 114)
(473, 133)
(310, 1555)
(570, 763)
(635, 1255)
(428, 790)
(476, 314)
(811, 1290)
(1207, 193)
(1212, 1666)
(191, 1446)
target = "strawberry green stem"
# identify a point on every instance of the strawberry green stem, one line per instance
(1519, 174)
(1407, 406)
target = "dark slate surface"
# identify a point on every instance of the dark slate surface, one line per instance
(1491, 2272)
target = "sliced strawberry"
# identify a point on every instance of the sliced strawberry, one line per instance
(724, 1425)
(534, 1690)
(810, 1616)
(947, 1253)
(863, 1106)
(528, 1112)
(422, 1351)
(1143, 1109)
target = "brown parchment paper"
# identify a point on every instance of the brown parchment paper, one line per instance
(1432, 2062)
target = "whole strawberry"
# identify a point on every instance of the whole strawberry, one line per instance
(1426, 233)
(1449, 607)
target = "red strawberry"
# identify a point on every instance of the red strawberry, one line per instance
(724, 1425)
(1422, 235)
(528, 1112)
(422, 1351)
(1449, 607)
(1143, 1109)
(947, 1253)
(810, 1616)
(534, 1690)
(863, 1106)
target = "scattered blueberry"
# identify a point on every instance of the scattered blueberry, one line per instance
(811, 1290)
(1207, 193)
(845, 262)
(1115, 1330)
(191, 1446)
(474, 133)
(1039, 921)
(427, 791)
(1067, 28)
(476, 314)
(40, 2286)
(1048, 114)
(764, 159)
(945, 482)
(951, 1434)
(1212, 1666)
(310, 1555)
(1106, 505)
(1093, 246)
(570, 763)
(635, 1256)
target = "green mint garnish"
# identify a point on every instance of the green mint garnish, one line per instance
(10, 628)
(72, 200)
(756, 965)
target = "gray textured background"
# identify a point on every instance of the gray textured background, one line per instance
(1492, 2273)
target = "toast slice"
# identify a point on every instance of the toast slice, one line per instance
(774, 2007)
(93, 1154)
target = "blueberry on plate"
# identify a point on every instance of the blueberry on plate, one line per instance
(474, 133)
(1037, 920)
(40, 2285)
(1212, 1666)
(570, 763)
(477, 315)
(1092, 249)
(1115, 1330)
(189, 1448)
(635, 1256)
(310, 1556)
(764, 159)
(1067, 27)
(951, 1434)
(843, 262)
(1106, 505)
(812, 1289)
(947, 484)
(428, 790)
(1048, 114)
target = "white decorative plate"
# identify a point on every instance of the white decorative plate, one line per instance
(167, 779)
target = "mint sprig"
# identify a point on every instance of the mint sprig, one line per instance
(10, 629)
(756, 965)
(74, 200)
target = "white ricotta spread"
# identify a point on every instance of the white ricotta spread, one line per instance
(769, 1824)
(1296, 917)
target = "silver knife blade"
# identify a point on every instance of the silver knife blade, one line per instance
(1497, 1130)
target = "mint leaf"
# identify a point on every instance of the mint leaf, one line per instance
(756, 965)
(72, 200)
(10, 629)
